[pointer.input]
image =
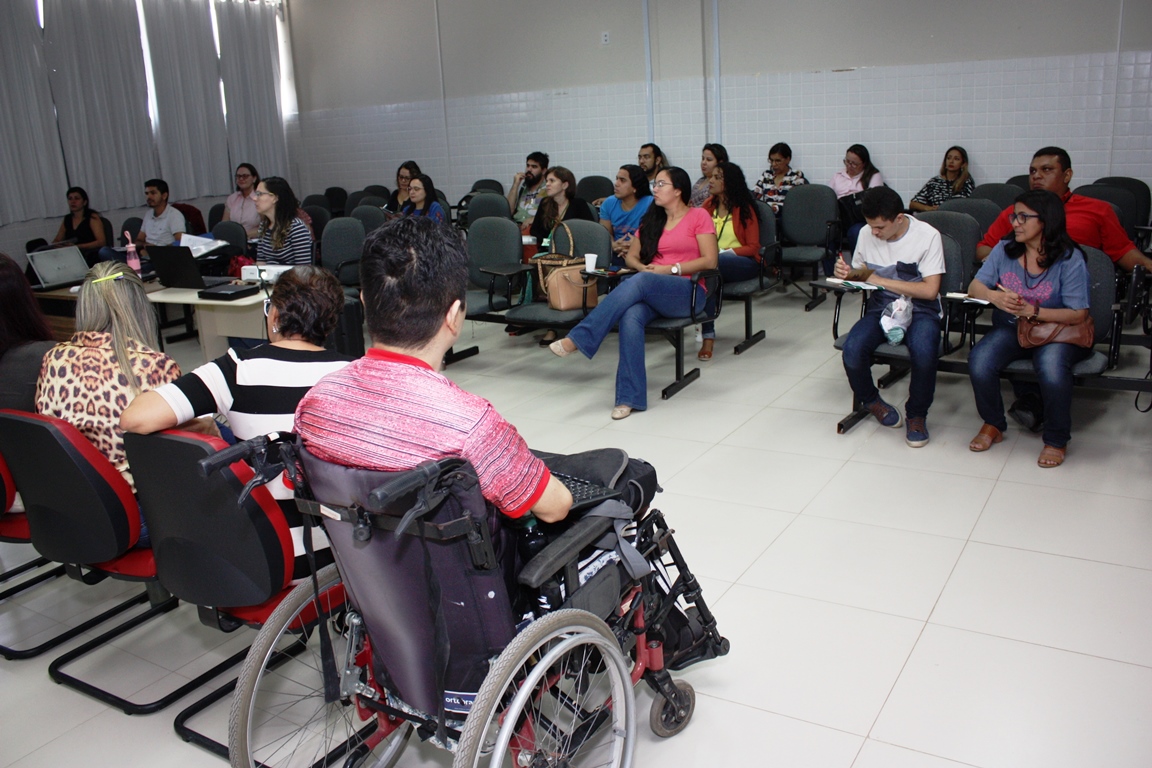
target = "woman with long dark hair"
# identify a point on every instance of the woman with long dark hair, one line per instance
(621, 213)
(24, 338)
(711, 156)
(81, 225)
(422, 200)
(737, 224)
(779, 178)
(849, 184)
(952, 181)
(560, 203)
(284, 237)
(676, 241)
(1035, 274)
(407, 171)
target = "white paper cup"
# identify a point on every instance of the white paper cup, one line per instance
(528, 240)
(589, 262)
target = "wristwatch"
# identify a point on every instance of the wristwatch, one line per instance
(676, 269)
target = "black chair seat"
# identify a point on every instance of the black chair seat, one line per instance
(479, 304)
(743, 288)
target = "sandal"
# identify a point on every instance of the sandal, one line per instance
(984, 439)
(706, 350)
(1051, 456)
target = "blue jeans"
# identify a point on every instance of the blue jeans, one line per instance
(923, 341)
(1053, 364)
(633, 303)
(733, 269)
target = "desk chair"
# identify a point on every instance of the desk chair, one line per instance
(337, 197)
(746, 290)
(14, 530)
(1001, 194)
(215, 216)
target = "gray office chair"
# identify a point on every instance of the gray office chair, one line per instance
(337, 198)
(109, 232)
(132, 225)
(1023, 181)
(369, 215)
(489, 184)
(377, 190)
(234, 233)
(320, 218)
(589, 237)
(340, 251)
(1122, 200)
(485, 204)
(317, 200)
(594, 188)
(373, 200)
(215, 215)
(746, 290)
(1001, 194)
(1138, 189)
(982, 210)
(354, 199)
(810, 224)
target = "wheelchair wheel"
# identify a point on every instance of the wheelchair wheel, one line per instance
(559, 695)
(664, 718)
(279, 717)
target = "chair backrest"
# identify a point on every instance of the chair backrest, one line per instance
(489, 184)
(373, 200)
(209, 550)
(443, 200)
(343, 241)
(956, 266)
(215, 216)
(233, 232)
(1001, 194)
(486, 204)
(353, 200)
(965, 232)
(7, 487)
(320, 218)
(132, 226)
(493, 243)
(1121, 199)
(1101, 291)
(378, 190)
(590, 237)
(193, 219)
(336, 197)
(984, 211)
(109, 231)
(767, 219)
(369, 215)
(804, 220)
(592, 188)
(318, 200)
(80, 509)
(1139, 190)
(1023, 181)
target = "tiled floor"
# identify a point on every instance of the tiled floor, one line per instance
(887, 607)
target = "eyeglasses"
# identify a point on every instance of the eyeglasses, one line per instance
(661, 184)
(267, 304)
(404, 178)
(1022, 218)
(853, 163)
(243, 175)
(258, 193)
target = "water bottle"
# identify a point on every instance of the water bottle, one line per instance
(133, 257)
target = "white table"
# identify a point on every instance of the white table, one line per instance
(217, 320)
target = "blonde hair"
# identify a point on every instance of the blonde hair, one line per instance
(112, 300)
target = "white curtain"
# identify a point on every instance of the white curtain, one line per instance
(190, 133)
(101, 95)
(32, 177)
(250, 67)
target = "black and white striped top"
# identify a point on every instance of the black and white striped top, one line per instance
(297, 247)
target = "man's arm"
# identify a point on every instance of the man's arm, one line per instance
(514, 192)
(927, 289)
(995, 234)
(1132, 259)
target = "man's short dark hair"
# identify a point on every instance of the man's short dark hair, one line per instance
(881, 203)
(540, 158)
(657, 154)
(1061, 156)
(160, 184)
(411, 270)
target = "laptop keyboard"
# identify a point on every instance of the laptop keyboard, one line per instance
(585, 493)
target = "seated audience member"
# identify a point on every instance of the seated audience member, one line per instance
(652, 159)
(240, 206)
(24, 338)
(163, 225)
(779, 178)
(527, 190)
(82, 226)
(621, 213)
(284, 237)
(904, 257)
(90, 379)
(407, 171)
(953, 181)
(1090, 222)
(737, 224)
(392, 409)
(559, 204)
(1035, 274)
(858, 175)
(422, 200)
(675, 242)
(258, 389)
(711, 156)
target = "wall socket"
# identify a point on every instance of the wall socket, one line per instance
(605, 38)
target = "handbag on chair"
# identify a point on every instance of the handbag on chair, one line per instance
(566, 288)
(1030, 334)
(546, 263)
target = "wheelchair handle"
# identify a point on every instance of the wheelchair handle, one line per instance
(240, 452)
(406, 483)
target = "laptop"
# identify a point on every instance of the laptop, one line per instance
(176, 267)
(585, 494)
(58, 267)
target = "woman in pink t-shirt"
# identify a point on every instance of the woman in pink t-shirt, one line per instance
(675, 242)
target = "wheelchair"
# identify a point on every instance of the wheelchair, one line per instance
(417, 626)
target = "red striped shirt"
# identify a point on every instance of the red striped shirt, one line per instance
(390, 412)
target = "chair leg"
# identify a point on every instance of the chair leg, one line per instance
(13, 654)
(39, 578)
(682, 379)
(859, 412)
(749, 337)
(895, 373)
(453, 356)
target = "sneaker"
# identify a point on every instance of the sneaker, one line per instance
(885, 414)
(1027, 415)
(917, 436)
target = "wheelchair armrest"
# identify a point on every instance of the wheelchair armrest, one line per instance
(562, 551)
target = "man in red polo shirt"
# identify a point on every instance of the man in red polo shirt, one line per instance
(1091, 222)
(392, 409)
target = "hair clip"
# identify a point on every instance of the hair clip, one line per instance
(117, 276)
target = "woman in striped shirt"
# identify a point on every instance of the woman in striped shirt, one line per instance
(284, 237)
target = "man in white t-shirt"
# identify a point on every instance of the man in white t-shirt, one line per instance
(164, 225)
(902, 256)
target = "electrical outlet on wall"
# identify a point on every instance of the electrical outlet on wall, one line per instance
(605, 38)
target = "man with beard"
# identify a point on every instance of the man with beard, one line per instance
(527, 189)
(651, 159)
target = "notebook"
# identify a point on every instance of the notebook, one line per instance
(177, 268)
(59, 267)
(585, 494)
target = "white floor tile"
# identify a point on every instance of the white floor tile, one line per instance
(877, 754)
(947, 452)
(1093, 464)
(808, 433)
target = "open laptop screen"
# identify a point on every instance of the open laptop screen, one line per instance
(59, 267)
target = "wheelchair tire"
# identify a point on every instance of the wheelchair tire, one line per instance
(279, 717)
(559, 694)
(663, 718)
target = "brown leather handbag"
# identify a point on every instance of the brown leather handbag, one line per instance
(1031, 334)
(567, 288)
(547, 262)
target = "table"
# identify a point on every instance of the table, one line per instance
(59, 308)
(217, 320)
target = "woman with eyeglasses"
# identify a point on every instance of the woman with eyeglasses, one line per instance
(1035, 274)
(284, 237)
(711, 156)
(240, 206)
(407, 171)
(675, 242)
(258, 389)
(422, 200)
(952, 181)
(849, 184)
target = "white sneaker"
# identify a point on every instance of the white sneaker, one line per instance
(699, 335)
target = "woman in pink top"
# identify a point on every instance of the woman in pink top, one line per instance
(858, 175)
(675, 242)
(241, 204)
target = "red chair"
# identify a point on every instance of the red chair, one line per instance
(14, 530)
(211, 550)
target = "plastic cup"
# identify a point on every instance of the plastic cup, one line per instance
(589, 262)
